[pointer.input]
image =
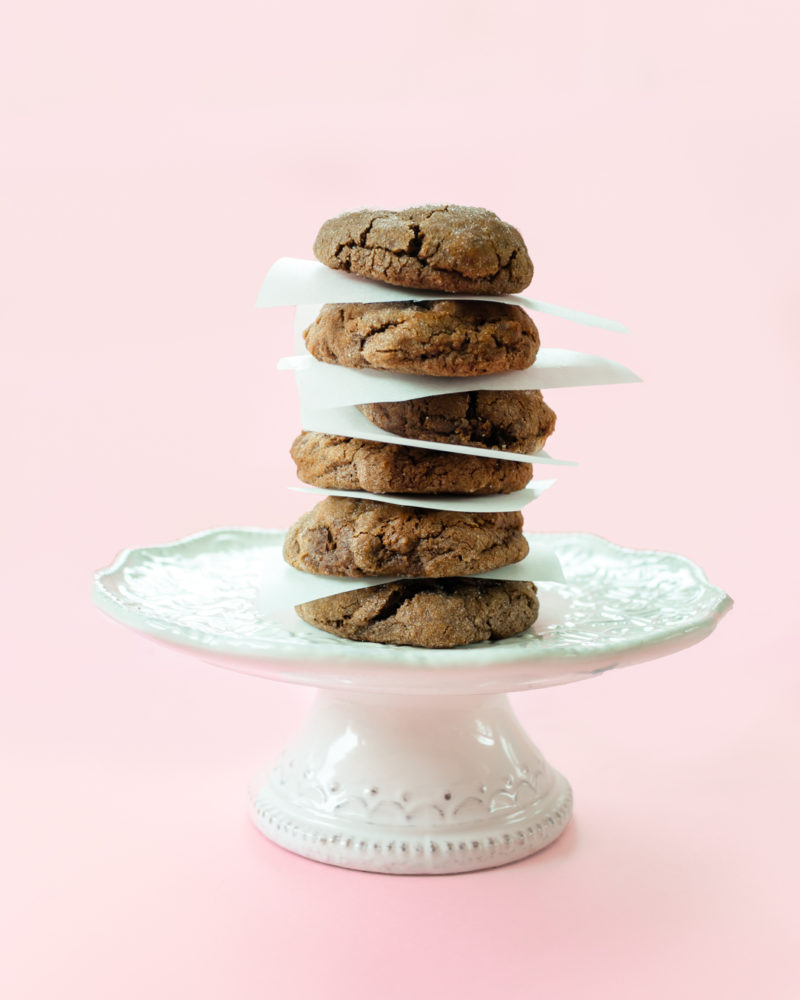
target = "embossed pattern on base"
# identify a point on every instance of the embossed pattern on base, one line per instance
(401, 854)
(412, 785)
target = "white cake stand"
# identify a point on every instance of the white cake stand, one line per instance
(412, 760)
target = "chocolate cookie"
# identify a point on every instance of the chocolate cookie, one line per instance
(510, 421)
(450, 337)
(435, 614)
(342, 463)
(346, 537)
(448, 248)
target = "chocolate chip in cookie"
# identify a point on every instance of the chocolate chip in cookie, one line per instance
(342, 536)
(342, 463)
(448, 248)
(445, 337)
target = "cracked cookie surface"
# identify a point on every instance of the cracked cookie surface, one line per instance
(450, 337)
(342, 536)
(449, 248)
(433, 614)
(518, 421)
(343, 463)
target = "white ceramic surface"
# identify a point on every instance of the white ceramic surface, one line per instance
(412, 761)
(412, 785)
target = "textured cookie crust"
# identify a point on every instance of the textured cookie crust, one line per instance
(346, 537)
(449, 248)
(449, 337)
(510, 421)
(342, 463)
(434, 614)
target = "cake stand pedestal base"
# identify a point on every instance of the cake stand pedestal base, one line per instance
(420, 784)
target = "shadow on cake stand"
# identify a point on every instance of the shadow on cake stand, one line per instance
(412, 760)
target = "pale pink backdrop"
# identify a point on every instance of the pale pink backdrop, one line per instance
(157, 158)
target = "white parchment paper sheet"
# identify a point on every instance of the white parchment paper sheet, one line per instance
(283, 586)
(292, 282)
(322, 385)
(496, 503)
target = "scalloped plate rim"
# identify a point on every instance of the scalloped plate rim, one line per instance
(340, 652)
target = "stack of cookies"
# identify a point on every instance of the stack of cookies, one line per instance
(438, 602)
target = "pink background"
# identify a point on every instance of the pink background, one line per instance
(158, 157)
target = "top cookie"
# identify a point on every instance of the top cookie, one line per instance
(447, 248)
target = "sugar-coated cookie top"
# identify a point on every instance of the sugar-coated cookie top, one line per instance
(448, 248)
